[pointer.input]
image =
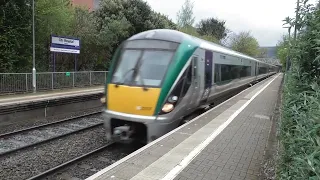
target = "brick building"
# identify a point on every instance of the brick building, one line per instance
(91, 4)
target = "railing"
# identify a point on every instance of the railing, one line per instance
(22, 82)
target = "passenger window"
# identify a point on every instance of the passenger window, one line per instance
(230, 72)
(217, 75)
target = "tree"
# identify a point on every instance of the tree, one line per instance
(282, 50)
(84, 28)
(117, 20)
(193, 32)
(212, 27)
(15, 36)
(138, 13)
(245, 43)
(100, 32)
(53, 17)
(185, 16)
(160, 21)
(262, 53)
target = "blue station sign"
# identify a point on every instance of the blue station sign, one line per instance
(65, 44)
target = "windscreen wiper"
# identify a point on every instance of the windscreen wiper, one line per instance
(136, 72)
(124, 77)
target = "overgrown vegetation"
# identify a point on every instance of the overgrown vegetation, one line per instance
(300, 123)
(100, 32)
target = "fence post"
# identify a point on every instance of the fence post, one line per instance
(73, 79)
(52, 84)
(105, 77)
(26, 82)
(90, 77)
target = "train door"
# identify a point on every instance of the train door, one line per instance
(195, 83)
(256, 73)
(207, 76)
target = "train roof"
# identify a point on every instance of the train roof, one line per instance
(178, 37)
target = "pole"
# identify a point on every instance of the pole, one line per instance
(75, 62)
(288, 55)
(34, 80)
(296, 21)
(54, 62)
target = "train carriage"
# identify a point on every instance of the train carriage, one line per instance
(158, 77)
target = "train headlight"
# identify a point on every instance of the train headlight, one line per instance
(103, 100)
(167, 107)
(173, 99)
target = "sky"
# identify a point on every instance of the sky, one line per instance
(262, 17)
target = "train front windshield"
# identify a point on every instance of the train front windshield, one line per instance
(144, 62)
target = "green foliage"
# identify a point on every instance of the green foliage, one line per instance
(300, 129)
(185, 15)
(300, 121)
(193, 32)
(15, 36)
(100, 32)
(161, 21)
(245, 43)
(84, 27)
(53, 17)
(119, 19)
(283, 50)
(262, 52)
(212, 27)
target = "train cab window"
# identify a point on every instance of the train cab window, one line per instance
(144, 62)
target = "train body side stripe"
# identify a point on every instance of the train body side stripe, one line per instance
(184, 52)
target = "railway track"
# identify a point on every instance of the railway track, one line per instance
(21, 139)
(70, 162)
(87, 164)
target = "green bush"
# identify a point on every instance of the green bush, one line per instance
(300, 130)
(300, 120)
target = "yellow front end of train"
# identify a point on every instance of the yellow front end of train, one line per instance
(132, 100)
(134, 89)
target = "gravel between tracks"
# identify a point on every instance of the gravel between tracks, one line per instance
(29, 162)
(29, 123)
(95, 163)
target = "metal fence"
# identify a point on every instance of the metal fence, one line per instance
(22, 82)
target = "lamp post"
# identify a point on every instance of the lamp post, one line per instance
(34, 80)
(288, 54)
(288, 59)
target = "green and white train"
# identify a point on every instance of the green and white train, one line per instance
(160, 76)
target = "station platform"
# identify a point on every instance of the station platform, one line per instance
(226, 142)
(6, 100)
